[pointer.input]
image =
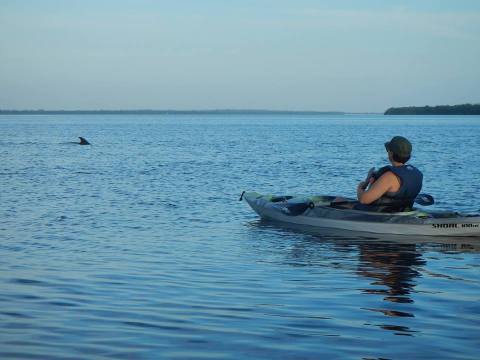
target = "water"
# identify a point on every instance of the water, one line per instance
(136, 246)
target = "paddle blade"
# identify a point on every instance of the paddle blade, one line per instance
(424, 199)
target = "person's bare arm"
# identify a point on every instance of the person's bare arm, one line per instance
(377, 189)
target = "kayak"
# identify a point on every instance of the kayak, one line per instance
(322, 211)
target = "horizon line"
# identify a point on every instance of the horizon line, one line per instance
(176, 111)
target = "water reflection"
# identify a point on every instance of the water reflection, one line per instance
(391, 265)
(394, 266)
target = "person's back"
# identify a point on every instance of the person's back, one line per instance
(394, 187)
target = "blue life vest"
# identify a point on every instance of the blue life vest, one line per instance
(410, 185)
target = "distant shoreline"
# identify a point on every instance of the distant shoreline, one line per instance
(169, 112)
(463, 109)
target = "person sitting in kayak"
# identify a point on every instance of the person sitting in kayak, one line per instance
(394, 187)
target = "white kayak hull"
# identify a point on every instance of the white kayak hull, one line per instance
(411, 223)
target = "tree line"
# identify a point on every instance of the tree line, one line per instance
(463, 109)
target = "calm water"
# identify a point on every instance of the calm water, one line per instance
(136, 246)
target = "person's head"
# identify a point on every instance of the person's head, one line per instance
(399, 149)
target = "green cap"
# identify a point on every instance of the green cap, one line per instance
(399, 146)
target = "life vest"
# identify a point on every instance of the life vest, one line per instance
(410, 185)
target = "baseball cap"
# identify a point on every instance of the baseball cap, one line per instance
(399, 146)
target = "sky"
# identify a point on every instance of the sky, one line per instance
(335, 55)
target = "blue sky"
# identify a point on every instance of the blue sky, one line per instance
(312, 55)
